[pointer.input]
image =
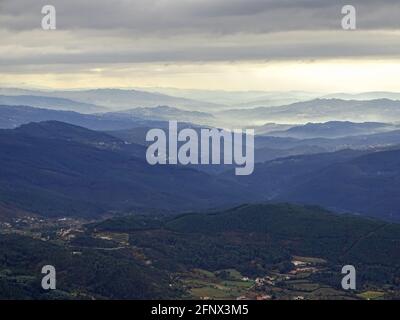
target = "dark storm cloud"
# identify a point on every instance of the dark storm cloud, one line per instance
(291, 47)
(200, 16)
(103, 31)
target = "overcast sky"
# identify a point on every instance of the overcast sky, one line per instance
(205, 44)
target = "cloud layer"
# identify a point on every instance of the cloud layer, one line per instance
(94, 34)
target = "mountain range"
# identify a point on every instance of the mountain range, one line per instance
(50, 103)
(164, 113)
(49, 151)
(14, 116)
(222, 109)
(113, 99)
(360, 182)
(54, 168)
(319, 110)
(76, 191)
(333, 129)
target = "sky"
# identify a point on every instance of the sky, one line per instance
(270, 45)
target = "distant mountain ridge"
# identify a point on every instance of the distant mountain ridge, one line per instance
(165, 113)
(54, 168)
(373, 95)
(116, 99)
(320, 110)
(14, 116)
(334, 129)
(50, 103)
(364, 141)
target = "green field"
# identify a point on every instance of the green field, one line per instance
(371, 295)
(205, 284)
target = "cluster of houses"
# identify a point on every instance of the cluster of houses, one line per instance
(299, 266)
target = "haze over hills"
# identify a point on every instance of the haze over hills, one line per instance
(270, 144)
(319, 110)
(373, 95)
(14, 116)
(50, 103)
(98, 182)
(55, 168)
(293, 160)
(239, 99)
(334, 129)
(164, 113)
(367, 141)
(266, 128)
(57, 172)
(159, 106)
(117, 99)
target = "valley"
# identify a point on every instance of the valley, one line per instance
(56, 168)
(77, 192)
(219, 152)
